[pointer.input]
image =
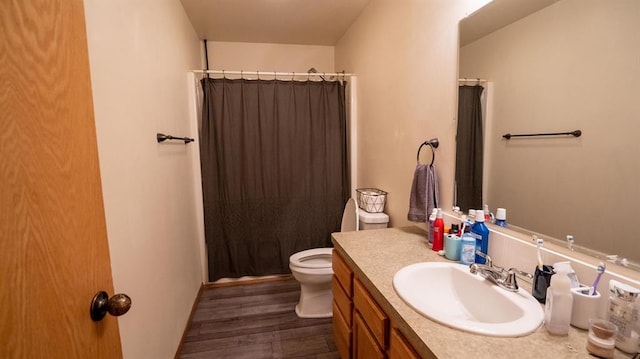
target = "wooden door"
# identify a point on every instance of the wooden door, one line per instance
(54, 253)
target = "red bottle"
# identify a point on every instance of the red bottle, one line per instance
(438, 233)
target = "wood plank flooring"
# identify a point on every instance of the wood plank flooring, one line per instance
(256, 321)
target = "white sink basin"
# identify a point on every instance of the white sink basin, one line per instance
(450, 295)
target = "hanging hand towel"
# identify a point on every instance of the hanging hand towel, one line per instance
(424, 193)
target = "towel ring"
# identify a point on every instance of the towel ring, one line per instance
(433, 143)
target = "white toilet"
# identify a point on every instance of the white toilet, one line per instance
(312, 267)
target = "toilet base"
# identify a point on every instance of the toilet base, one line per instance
(316, 301)
(316, 315)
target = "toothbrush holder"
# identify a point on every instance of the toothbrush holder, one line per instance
(585, 307)
(541, 281)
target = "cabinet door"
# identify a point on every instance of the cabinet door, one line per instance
(342, 301)
(341, 333)
(371, 313)
(342, 273)
(365, 345)
(399, 348)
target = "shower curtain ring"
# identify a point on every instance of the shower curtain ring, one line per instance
(293, 76)
(258, 74)
(224, 76)
(241, 74)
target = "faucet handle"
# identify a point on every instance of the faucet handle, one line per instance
(521, 273)
(489, 262)
(510, 281)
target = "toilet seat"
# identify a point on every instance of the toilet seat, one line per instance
(350, 217)
(316, 258)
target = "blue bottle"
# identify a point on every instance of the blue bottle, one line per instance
(481, 233)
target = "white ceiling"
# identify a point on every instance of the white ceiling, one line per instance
(495, 15)
(308, 22)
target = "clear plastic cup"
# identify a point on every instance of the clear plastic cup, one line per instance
(601, 340)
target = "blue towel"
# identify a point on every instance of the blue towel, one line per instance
(424, 193)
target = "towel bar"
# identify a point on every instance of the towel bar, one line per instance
(576, 133)
(162, 137)
(433, 143)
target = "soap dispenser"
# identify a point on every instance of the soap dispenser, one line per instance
(559, 304)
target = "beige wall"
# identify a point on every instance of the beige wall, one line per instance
(269, 57)
(573, 65)
(140, 52)
(405, 55)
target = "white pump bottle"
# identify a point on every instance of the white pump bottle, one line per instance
(558, 307)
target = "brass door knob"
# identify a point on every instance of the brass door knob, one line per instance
(117, 305)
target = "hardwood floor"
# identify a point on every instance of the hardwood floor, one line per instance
(256, 321)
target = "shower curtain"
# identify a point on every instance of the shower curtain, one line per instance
(469, 148)
(274, 170)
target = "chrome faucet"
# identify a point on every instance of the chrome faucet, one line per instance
(505, 279)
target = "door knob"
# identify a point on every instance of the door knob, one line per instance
(116, 305)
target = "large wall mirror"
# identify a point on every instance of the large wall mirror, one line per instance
(569, 65)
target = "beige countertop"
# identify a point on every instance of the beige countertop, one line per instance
(376, 255)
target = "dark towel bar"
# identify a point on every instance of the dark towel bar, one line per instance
(576, 133)
(162, 137)
(433, 143)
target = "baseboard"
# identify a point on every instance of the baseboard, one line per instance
(186, 327)
(248, 280)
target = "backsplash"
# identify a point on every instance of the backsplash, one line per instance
(510, 249)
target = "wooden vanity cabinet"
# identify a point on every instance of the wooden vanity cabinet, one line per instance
(361, 329)
(342, 287)
(371, 314)
(399, 348)
(364, 342)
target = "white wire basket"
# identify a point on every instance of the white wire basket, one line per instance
(371, 199)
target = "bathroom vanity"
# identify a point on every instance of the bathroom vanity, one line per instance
(371, 321)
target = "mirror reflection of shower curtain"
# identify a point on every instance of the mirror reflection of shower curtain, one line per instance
(275, 171)
(469, 148)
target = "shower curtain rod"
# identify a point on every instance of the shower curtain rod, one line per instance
(471, 80)
(271, 73)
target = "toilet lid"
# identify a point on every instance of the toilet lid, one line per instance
(312, 258)
(349, 219)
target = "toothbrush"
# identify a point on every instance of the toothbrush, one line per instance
(464, 225)
(539, 243)
(600, 269)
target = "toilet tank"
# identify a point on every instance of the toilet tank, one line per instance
(368, 220)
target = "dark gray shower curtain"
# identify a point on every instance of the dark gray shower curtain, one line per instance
(469, 148)
(274, 169)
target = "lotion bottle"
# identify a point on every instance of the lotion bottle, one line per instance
(559, 304)
(432, 219)
(487, 213)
